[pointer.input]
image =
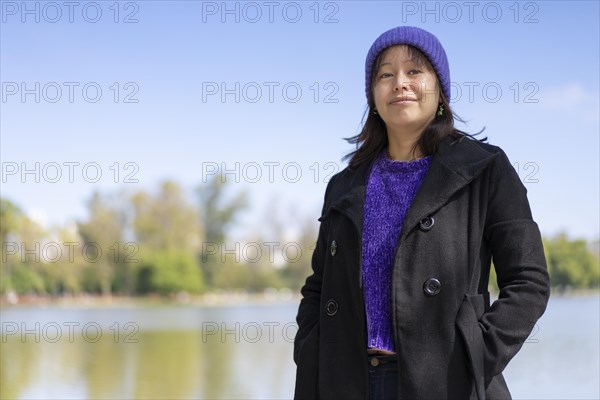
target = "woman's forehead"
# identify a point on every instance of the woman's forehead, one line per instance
(401, 53)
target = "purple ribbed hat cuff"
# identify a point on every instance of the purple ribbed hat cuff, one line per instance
(416, 37)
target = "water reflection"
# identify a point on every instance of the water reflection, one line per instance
(173, 352)
(237, 352)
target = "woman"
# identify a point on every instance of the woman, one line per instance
(398, 306)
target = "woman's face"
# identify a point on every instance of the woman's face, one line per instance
(406, 94)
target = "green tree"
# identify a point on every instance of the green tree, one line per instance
(570, 263)
(101, 240)
(61, 261)
(216, 216)
(23, 267)
(295, 273)
(169, 271)
(165, 221)
(167, 231)
(10, 220)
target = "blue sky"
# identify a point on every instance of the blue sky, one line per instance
(533, 68)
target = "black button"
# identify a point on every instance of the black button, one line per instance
(426, 223)
(432, 286)
(333, 247)
(331, 307)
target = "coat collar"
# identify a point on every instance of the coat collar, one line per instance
(454, 165)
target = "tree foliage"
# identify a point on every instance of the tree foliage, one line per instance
(571, 264)
(163, 243)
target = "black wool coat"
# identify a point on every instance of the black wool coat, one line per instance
(450, 342)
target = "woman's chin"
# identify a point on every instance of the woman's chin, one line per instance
(404, 122)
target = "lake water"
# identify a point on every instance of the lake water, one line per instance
(239, 352)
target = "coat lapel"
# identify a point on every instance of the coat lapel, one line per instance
(454, 165)
(351, 200)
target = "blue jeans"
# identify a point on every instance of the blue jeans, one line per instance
(383, 377)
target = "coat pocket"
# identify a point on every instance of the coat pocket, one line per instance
(467, 321)
(307, 371)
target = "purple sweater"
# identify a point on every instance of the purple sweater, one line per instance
(391, 187)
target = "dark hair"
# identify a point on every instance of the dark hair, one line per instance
(373, 137)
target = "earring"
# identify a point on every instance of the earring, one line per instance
(375, 112)
(440, 110)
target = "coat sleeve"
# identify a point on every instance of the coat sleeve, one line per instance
(308, 311)
(518, 256)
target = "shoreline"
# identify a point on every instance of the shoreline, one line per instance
(213, 299)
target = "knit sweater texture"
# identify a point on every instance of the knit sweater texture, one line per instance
(391, 187)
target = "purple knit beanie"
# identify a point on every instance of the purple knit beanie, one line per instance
(416, 37)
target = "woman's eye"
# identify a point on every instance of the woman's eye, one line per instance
(385, 75)
(414, 72)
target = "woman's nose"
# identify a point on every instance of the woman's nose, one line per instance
(401, 82)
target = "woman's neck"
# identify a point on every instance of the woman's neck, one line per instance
(402, 144)
(404, 151)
